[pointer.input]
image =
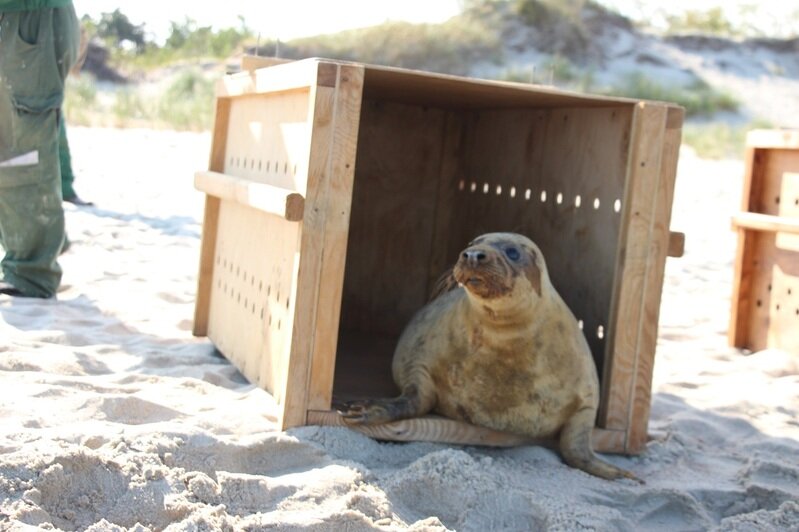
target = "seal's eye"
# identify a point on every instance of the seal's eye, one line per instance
(512, 253)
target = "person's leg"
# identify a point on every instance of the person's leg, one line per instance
(34, 61)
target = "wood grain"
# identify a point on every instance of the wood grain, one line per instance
(338, 198)
(634, 261)
(210, 220)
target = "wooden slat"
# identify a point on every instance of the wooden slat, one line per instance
(444, 430)
(295, 75)
(338, 196)
(268, 198)
(765, 222)
(742, 272)
(634, 261)
(210, 221)
(676, 244)
(658, 246)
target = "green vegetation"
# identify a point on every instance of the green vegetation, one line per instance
(184, 102)
(450, 47)
(698, 98)
(719, 140)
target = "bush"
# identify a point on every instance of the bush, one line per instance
(698, 98)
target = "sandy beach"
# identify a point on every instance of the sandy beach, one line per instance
(114, 417)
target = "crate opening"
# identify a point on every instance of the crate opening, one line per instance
(430, 177)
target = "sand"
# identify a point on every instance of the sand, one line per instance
(115, 418)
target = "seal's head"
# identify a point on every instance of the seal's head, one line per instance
(497, 265)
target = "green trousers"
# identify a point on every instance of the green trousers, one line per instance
(37, 48)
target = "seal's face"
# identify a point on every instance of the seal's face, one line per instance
(494, 263)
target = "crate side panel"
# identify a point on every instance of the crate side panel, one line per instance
(269, 139)
(557, 176)
(391, 223)
(250, 320)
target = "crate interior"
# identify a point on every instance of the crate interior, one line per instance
(437, 167)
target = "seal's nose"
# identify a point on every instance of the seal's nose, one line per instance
(474, 256)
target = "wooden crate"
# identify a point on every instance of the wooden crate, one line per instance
(765, 299)
(337, 193)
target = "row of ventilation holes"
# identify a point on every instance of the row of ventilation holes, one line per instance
(237, 163)
(528, 193)
(600, 331)
(777, 307)
(237, 295)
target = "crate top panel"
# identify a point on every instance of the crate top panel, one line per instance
(787, 139)
(416, 87)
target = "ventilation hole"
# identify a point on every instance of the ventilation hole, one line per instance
(268, 165)
(796, 201)
(217, 260)
(596, 203)
(580, 324)
(543, 196)
(528, 194)
(777, 200)
(789, 291)
(260, 286)
(512, 192)
(617, 205)
(238, 271)
(278, 325)
(224, 263)
(238, 299)
(769, 287)
(246, 302)
(577, 201)
(778, 306)
(278, 296)
(600, 332)
(499, 190)
(288, 300)
(285, 168)
(269, 290)
(461, 185)
(559, 198)
(231, 161)
(252, 280)
(231, 267)
(797, 312)
(270, 320)
(485, 188)
(759, 303)
(262, 312)
(260, 164)
(253, 308)
(219, 283)
(473, 187)
(294, 170)
(252, 163)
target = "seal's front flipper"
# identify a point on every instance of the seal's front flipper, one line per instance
(374, 411)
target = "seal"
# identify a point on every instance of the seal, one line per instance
(498, 347)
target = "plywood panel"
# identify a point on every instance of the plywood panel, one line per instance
(252, 293)
(558, 177)
(268, 141)
(394, 206)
